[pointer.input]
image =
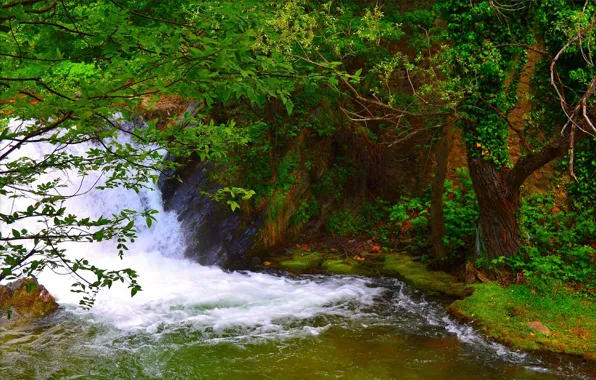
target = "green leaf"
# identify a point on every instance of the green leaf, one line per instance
(289, 106)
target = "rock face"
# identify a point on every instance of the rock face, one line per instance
(214, 234)
(25, 299)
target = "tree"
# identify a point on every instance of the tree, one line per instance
(466, 66)
(72, 71)
(495, 56)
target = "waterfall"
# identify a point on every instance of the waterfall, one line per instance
(176, 290)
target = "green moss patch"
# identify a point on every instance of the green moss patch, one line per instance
(417, 274)
(506, 314)
(302, 261)
(347, 266)
(391, 265)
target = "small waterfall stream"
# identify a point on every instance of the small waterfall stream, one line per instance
(192, 321)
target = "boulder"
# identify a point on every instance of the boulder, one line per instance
(24, 299)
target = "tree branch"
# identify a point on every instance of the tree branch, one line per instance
(527, 165)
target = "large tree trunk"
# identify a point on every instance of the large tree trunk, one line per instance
(498, 202)
(437, 217)
(498, 193)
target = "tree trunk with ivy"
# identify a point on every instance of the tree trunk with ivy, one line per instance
(498, 203)
(499, 195)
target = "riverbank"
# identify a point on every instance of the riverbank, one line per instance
(519, 316)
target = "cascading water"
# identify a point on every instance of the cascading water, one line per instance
(192, 321)
(176, 290)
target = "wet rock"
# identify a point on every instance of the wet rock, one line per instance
(215, 235)
(25, 299)
(538, 326)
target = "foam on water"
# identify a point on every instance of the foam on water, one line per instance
(176, 290)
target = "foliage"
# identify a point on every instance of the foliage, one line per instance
(408, 221)
(262, 77)
(334, 181)
(461, 212)
(231, 196)
(559, 242)
(72, 72)
(305, 212)
(582, 189)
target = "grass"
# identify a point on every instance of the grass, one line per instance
(503, 314)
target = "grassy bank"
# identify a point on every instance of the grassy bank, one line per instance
(520, 317)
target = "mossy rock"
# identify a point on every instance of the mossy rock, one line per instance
(423, 279)
(348, 266)
(25, 299)
(507, 314)
(302, 261)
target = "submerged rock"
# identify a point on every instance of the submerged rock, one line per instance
(25, 299)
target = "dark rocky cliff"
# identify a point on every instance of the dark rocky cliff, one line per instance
(215, 235)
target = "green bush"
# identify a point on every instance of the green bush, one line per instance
(409, 219)
(305, 212)
(559, 243)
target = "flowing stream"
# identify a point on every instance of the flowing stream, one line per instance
(195, 322)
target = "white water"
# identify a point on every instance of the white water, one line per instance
(175, 290)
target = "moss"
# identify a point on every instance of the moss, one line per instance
(348, 266)
(302, 261)
(393, 264)
(417, 274)
(503, 314)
